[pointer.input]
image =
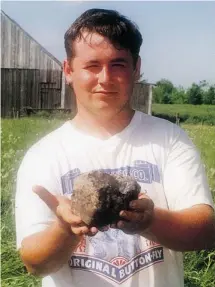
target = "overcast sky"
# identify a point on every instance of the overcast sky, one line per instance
(178, 37)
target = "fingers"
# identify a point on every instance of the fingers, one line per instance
(84, 230)
(104, 228)
(128, 227)
(93, 231)
(50, 200)
(59, 205)
(64, 212)
(142, 204)
(132, 216)
(141, 195)
(80, 230)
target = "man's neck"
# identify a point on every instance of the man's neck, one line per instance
(103, 127)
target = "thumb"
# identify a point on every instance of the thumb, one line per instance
(141, 195)
(49, 199)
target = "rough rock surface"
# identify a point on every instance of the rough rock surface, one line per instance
(98, 197)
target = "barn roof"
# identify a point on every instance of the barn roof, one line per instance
(27, 34)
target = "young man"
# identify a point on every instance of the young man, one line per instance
(175, 213)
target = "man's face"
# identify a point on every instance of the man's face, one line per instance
(101, 75)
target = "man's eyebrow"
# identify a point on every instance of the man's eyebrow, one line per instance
(116, 60)
(121, 60)
(92, 62)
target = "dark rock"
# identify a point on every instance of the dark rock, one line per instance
(99, 197)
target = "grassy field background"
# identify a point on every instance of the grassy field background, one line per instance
(192, 114)
(18, 135)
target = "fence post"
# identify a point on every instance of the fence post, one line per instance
(62, 104)
(150, 100)
(177, 118)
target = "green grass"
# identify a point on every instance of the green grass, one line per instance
(200, 266)
(204, 139)
(18, 136)
(204, 114)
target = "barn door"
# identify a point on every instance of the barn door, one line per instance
(50, 95)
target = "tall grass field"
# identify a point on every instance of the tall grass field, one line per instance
(18, 135)
(192, 114)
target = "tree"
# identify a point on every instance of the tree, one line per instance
(209, 96)
(195, 94)
(166, 85)
(179, 96)
(166, 93)
(162, 92)
(157, 95)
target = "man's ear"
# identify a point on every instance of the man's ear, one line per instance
(67, 71)
(137, 70)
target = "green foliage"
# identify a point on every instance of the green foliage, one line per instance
(54, 114)
(163, 91)
(18, 135)
(204, 138)
(199, 269)
(179, 96)
(195, 95)
(166, 93)
(200, 266)
(204, 114)
(209, 96)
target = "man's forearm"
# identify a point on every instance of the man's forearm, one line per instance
(45, 252)
(185, 230)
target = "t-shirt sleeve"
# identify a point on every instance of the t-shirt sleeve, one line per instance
(185, 181)
(31, 213)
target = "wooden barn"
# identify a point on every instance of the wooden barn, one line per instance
(30, 75)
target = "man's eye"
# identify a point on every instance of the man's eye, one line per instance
(119, 65)
(92, 66)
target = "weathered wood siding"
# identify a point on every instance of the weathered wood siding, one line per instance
(142, 97)
(21, 88)
(20, 50)
(30, 75)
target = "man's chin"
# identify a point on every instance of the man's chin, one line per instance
(107, 111)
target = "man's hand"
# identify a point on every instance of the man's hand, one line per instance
(139, 217)
(58, 241)
(185, 230)
(61, 206)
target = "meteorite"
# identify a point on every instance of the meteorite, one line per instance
(98, 197)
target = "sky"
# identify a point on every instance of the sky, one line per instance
(178, 37)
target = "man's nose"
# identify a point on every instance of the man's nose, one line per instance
(104, 75)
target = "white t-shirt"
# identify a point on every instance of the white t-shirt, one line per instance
(158, 154)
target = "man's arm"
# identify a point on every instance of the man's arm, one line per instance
(186, 230)
(46, 251)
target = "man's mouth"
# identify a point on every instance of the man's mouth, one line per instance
(105, 92)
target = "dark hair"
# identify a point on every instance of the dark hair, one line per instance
(121, 32)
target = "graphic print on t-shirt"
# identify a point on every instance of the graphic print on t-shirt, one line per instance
(113, 253)
(142, 171)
